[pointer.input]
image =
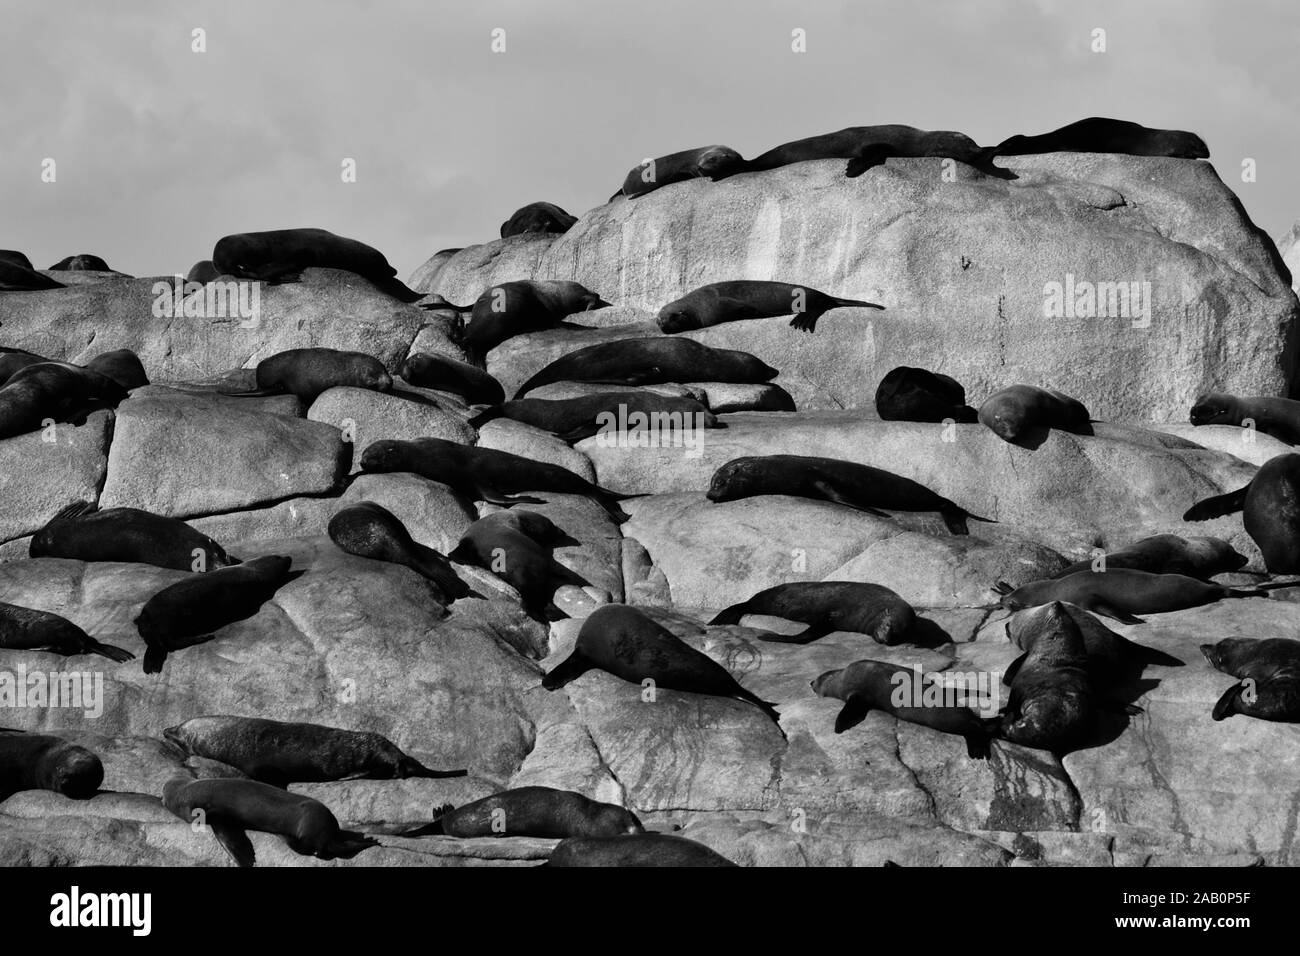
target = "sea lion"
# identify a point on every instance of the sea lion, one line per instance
(1197, 557)
(1270, 506)
(537, 217)
(281, 753)
(1122, 593)
(868, 146)
(122, 366)
(526, 305)
(84, 262)
(26, 629)
(1015, 412)
(449, 375)
(14, 257)
(308, 372)
(908, 394)
(515, 546)
(188, 612)
(55, 391)
(573, 419)
(846, 483)
(873, 685)
(622, 641)
(707, 161)
(15, 360)
(829, 606)
(485, 474)
(1279, 417)
(1097, 134)
(281, 255)
(371, 531)
(642, 849)
(16, 278)
(1051, 705)
(42, 762)
(229, 807)
(81, 532)
(1269, 677)
(202, 272)
(531, 812)
(651, 361)
(733, 301)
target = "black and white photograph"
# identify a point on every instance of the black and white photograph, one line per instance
(672, 434)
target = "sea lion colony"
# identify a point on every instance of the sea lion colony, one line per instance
(1070, 678)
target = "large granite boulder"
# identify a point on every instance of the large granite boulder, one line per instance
(963, 268)
(466, 274)
(44, 471)
(186, 453)
(327, 308)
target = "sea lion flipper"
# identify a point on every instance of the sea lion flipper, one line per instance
(829, 493)
(574, 666)
(234, 840)
(978, 744)
(494, 497)
(154, 658)
(853, 712)
(1226, 705)
(75, 510)
(1106, 610)
(1217, 506)
(346, 845)
(113, 653)
(578, 434)
(870, 156)
(1013, 669)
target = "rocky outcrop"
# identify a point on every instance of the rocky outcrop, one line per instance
(963, 268)
(468, 273)
(327, 308)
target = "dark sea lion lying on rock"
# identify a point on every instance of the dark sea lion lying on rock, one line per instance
(908, 394)
(861, 487)
(1097, 134)
(733, 301)
(308, 372)
(81, 532)
(827, 607)
(573, 419)
(53, 391)
(26, 629)
(281, 255)
(447, 374)
(531, 812)
(542, 217)
(707, 161)
(41, 762)
(1270, 507)
(651, 361)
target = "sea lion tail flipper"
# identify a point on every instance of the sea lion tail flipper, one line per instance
(552, 613)
(75, 510)
(856, 304)
(485, 416)
(1003, 588)
(251, 393)
(766, 706)
(1226, 705)
(497, 498)
(572, 667)
(234, 841)
(1217, 506)
(1269, 586)
(1258, 591)
(853, 712)
(806, 321)
(730, 615)
(972, 517)
(978, 743)
(432, 828)
(112, 652)
(410, 767)
(870, 156)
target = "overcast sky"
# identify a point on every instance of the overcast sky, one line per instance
(161, 151)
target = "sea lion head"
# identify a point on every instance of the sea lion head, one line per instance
(1051, 634)
(734, 480)
(1180, 144)
(1047, 720)
(415, 367)
(1004, 415)
(385, 455)
(1215, 408)
(1219, 556)
(74, 772)
(606, 819)
(677, 316)
(1228, 654)
(369, 372)
(718, 159)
